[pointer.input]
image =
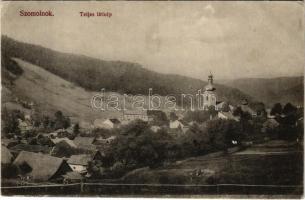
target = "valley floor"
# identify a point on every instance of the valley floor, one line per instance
(274, 168)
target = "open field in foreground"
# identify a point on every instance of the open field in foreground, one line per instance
(240, 173)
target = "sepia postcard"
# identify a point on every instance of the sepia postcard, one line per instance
(179, 99)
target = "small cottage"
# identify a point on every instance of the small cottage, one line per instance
(130, 115)
(79, 163)
(110, 123)
(101, 140)
(155, 129)
(41, 167)
(177, 124)
(227, 116)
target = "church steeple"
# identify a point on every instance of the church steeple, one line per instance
(209, 93)
(210, 86)
(210, 80)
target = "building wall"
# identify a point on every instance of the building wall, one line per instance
(209, 99)
(108, 124)
(63, 169)
(78, 168)
(221, 116)
(175, 124)
(134, 117)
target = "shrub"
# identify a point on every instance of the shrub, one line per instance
(9, 171)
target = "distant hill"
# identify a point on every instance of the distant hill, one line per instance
(273, 90)
(123, 77)
(51, 93)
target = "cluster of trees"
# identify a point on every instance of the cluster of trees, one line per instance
(285, 125)
(200, 116)
(290, 121)
(39, 140)
(159, 118)
(137, 146)
(213, 135)
(100, 132)
(10, 71)
(62, 149)
(223, 132)
(11, 65)
(9, 171)
(10, 124)
(11, 121)
(58, 121)
(259, 108)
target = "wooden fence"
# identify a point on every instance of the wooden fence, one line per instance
(115, 189)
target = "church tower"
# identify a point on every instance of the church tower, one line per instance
(209, 95)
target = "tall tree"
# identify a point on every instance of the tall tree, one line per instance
(276, 109)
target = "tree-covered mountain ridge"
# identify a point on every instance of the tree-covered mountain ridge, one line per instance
(94, 74)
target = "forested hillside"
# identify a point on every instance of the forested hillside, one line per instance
(117, 76)
(273, 90)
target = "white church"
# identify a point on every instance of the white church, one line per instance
(209, 95)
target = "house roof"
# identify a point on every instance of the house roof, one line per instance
(113, 137)
(271, 122)
(246, 108)
(135, 112)
(177, 123)
(6, 142)
(154, 112)
(105, 140)
(124, 122)
(6, 156)
(83, 140)
(101, 123)
(31, 148)
(244, 102)
(229, 115)
(81, 159)
(22, 123)
(183, 122)
(53, 133)
(60, 130)
(115, 121)
(185, 129)
(98, 122)
(71, 143)
(85, 125)
(42, 134)
(220, 103)
(155, 128)
(43, 167)
(85, 143)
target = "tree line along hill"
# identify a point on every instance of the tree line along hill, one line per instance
(94, 74)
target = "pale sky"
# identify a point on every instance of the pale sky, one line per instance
(232, 39)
